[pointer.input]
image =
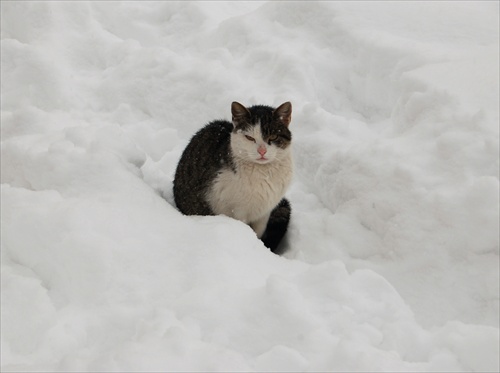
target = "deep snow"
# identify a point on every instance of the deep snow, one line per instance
(393, 250)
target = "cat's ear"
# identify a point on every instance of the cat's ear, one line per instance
(239, 112)
(284, 113)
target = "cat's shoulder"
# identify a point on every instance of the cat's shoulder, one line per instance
(215, 133)
(212, 141)
(217, 127)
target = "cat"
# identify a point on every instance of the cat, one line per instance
(240, 169)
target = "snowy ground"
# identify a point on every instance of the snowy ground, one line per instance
(393, 250)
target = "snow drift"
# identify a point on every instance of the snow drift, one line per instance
(392, 260)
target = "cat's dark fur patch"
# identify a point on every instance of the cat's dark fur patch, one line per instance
(205, 155)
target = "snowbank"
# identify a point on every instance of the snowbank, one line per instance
(393, 250)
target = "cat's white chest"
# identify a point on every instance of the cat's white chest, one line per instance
(252, 192)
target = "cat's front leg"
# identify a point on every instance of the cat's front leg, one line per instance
(259, 226)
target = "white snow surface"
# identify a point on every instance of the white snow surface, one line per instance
(392, 260)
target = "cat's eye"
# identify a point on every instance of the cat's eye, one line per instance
(272, 139)
(250, 138)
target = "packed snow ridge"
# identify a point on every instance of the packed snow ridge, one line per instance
(392, 260)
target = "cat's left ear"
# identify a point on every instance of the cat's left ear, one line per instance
(239, 112)
(284, 113)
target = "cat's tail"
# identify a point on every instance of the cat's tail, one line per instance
(277, 225)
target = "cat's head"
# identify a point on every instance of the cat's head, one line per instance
(261, 133)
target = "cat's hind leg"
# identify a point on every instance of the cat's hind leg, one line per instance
(277, 225)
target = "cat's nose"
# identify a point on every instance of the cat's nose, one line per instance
(262, 150)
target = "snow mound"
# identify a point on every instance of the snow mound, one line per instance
(392, 260)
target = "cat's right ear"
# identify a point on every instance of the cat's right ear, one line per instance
(284, 113)
(239, 112)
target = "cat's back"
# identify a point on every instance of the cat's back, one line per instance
(207, 153)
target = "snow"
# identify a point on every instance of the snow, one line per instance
(392, 260)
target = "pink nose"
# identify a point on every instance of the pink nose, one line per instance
(262, 150)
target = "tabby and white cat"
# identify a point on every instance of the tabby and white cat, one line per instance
(240, 169)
